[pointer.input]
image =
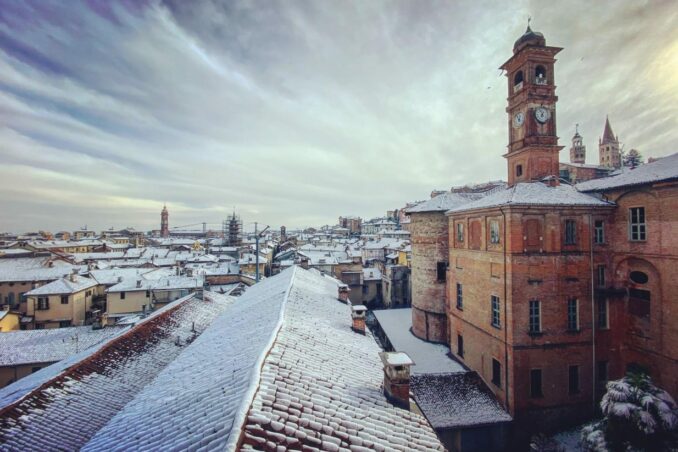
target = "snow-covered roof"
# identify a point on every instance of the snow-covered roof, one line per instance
(430, 357)
(319, 367)
(443, 202)
(68, 285)
(456, 400)
(534, 194)
(663, 169)
(396, 359)
(585, 165)
(113, 276)
(371, 274)
(283, 347)
(251, 259)
(164, 283)
(79, 396)
(49, 345)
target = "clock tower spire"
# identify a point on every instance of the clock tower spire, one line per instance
(533, 143)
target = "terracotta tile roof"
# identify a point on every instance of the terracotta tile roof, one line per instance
(67, 409)
(321, 383)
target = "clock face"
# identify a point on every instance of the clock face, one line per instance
(542, 114)
(518, 119)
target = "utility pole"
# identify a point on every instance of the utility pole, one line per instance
(257, 235)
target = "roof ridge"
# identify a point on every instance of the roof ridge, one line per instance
(248, 398)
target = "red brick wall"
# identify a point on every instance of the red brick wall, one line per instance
(429, 246)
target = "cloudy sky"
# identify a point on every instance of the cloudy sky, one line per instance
(296, 112)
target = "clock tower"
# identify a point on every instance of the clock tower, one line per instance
(533, 144)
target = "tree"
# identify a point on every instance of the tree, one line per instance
(633, 158)
(637, 414)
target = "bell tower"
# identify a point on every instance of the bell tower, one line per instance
(164, 222)
(578, 150)
(533, 144)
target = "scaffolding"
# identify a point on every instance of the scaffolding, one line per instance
(232, 230)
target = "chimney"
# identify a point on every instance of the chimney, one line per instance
(72, 277)
(304, 262)
(397, 378)
(139, 283)
(119, 279)
(342, 293)
(358, 315)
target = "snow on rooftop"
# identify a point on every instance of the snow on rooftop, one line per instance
(67, 404)
(162, 283)
(534, 194)
(64, 286)
(396, 359)
(429, 357)
(456, 400)
(660, 170)
(196, 398)
(49, 345)
(371, 274)
(444, 202)
(321, 383)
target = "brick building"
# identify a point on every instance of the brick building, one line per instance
(547, 290)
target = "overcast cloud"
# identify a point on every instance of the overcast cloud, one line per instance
(296, 112)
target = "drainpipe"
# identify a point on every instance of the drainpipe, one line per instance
(506, 355)
(593, 317)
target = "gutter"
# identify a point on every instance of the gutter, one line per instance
(506, 354)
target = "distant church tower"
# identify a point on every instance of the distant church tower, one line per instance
(578, 150)
(533, 143)
(608, 148)
(164, 222)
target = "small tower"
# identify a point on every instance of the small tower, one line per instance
(608, 148)
(164, 222)
(283, 234)
(578, 150)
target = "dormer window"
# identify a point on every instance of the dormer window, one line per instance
(518, 81)
(540, 75)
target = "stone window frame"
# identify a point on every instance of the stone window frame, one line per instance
(573, 314)
(570, 232)
(600, 275)
(603, 314)
(64, 299)
(460, 297)
(637, 224)
(599, 232)
(495, 310)
(42, 304)
(459, 232)
(494, 235)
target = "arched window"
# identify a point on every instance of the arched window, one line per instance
(518, 80)
(540, 75)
